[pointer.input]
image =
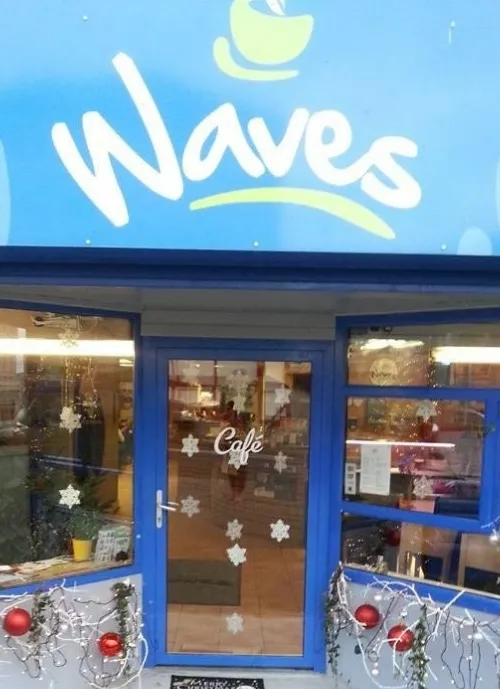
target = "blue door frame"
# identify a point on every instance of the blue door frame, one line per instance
(156, 354)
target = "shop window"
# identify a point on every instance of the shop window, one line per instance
(421, 410)
(460, 355)
(414, 454)
(66, 450)
(447, 556)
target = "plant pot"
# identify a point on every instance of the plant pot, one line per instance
(82, 550)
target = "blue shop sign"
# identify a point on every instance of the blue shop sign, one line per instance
(276, 125)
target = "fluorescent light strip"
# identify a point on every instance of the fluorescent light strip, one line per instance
(395, 443)
(466, 355)
(23, 346)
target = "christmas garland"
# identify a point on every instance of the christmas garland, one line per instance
(397, 632)
(60, 625)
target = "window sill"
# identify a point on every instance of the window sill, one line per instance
(445, 593)
(68, 574)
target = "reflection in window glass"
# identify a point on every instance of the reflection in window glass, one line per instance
(415, 454)
(422, 552)
(66, 451)
(459, 355)
(236, 546)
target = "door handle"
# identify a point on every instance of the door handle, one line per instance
(161, 508)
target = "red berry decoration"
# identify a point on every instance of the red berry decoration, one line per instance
(368, 616)
(17, 622)
(110, 644)
(400, 638)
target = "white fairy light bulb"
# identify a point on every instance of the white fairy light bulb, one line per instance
(494, 537)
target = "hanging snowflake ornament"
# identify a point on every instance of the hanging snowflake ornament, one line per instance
(234, 530)
(280, 462)
(282, 396)
(426, 410)
(239, 402)
(70, 420)
(70, 497)
(237, 555)
(190, 446)
(237, 458)
(422, 487)
(234, 623)
(280, 531)
(69, 338)
(239, 381)
(190, 372)
(190, 506)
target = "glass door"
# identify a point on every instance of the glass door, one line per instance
(235, 549)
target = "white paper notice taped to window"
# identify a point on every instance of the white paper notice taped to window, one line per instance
(350, 479)
(375, 469)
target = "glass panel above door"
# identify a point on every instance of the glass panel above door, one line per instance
(238, 448)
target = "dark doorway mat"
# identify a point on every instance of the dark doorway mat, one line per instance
(200, 582)
(178, 682)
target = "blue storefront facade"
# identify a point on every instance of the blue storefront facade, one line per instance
(249, 308)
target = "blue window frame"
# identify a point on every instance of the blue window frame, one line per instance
(490, 475)
(157, 352)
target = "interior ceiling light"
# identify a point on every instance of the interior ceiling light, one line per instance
(24, 346)
(466, 355)
(375, 344)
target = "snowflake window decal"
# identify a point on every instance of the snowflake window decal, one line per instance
(237, 555)
(190, 506)
(280, 531)
(70, 420)
(70, 497)
(190, 446)
(234, 529)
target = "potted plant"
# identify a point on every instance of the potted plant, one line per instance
(83, 526)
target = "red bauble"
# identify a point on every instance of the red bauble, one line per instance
(400, 638)
(17, 622)
(393, 537)
(368, 616)
(110, 644)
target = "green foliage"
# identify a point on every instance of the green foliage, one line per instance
(84, 524)
(418, 658)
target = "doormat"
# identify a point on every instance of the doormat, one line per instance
(178, 682)
(202, 582)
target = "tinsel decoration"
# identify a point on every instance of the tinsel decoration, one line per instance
(450, 648)
(419, 660)
(66, 628)
(335, 618)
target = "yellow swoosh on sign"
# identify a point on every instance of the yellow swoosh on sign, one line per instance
(333, 204)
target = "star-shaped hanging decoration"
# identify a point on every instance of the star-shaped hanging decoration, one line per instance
(280, 531)
(234, 530)
(191, 372)
(69, 338)
(280, 462)
(190, 506)
(70, 497)
(237, 555)
(239, 381)
(234, 623)
(422, 487)
(426, 410)
(239, 402)
(282, 396)
(190, 446)
(70, 420)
